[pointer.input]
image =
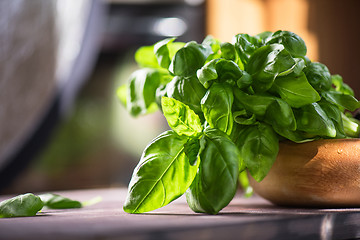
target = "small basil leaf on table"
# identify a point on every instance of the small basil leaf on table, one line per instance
(216, 181)
(189, 59)
(25, 205)
(163, 174)
(295, 90)
(216, 106)
(312, 119)
(259, 146)
(187, 90)
(181, 118)
(56, 201)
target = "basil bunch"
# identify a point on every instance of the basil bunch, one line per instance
(228, 105)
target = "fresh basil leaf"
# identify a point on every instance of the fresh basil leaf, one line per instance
(189, 59)
(228, 51)
(162, 175)
(295, 90)
(207, 73)
(334, 113)
(245, 45)
(56, 201)
(259, 146)
(228, 71)
(312, 119)
(141, 91)
(266, 63)
(318, 76)
(192, 149)
(187, 90)
(145, 57)
(340, 86)
(351, 126)
(342, 100)
(216, 106)
(256, 104)
(162, 52)
(181, 118)
(295, 136)
(243, 118)
(212, 42)
(244, 81)
(280, 113)
(264, 36)
(25, 205)
(216, 181)
(294, 44)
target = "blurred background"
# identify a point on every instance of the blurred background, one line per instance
(61, 125)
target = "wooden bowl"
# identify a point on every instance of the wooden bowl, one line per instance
(322, 173)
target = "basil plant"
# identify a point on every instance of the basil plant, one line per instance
(228, 105)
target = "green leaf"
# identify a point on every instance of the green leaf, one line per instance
(259, 146)
(162, 52)
(335, 114)
(207, 73)
(162, 175)
(351, 126)
(187, 90)
(295, 90)
(192, 149)
(228, 51)
(256, 104)
(216, 106)
(189, 59)
(212, 42)
(294, 44)
(267, 63)
(216, 181)
(340, 86)
(228, 71)
(342, 100)
(25, 205)
(145, 57)
(280, 113)
(245, 45)
(312, 119)
(56, 201)
(318, 76)
(141, 91)
(181, 118)
(243, 118)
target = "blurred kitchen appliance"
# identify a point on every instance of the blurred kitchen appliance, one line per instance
(47, 49)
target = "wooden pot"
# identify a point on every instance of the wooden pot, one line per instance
(322, 173)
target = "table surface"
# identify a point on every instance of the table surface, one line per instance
(244, 218)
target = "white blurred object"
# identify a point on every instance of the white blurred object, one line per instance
(47, 48)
